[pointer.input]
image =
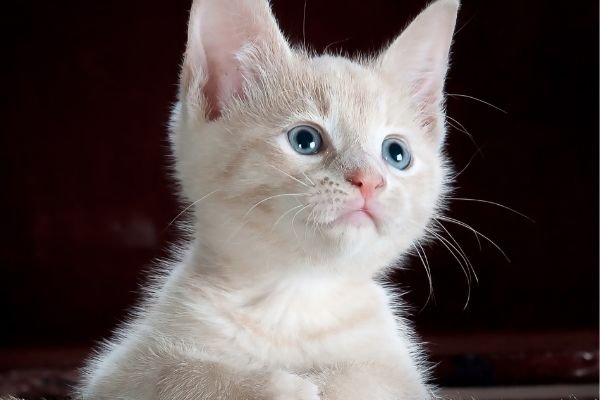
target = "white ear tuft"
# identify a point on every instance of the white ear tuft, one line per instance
(219, 32)
(418, 59)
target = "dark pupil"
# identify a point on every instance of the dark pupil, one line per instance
(305, 140)
(396, 152)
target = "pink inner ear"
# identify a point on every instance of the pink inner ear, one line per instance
(224, 81)
(219, 33)
(418, 59)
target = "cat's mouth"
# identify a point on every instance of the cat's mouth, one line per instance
(359, 218)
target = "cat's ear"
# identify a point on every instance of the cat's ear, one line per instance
(221, 34)
(417, 60)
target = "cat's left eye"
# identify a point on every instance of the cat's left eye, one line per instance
(305, 139)
(396, 153)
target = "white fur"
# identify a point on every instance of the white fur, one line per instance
(272, 299)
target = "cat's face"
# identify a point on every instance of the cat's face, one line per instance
(317, 156)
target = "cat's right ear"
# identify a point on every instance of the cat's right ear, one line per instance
(221, 34)
(417, 61)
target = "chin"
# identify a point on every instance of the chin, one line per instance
(358, 219)
(356, 237)
(355, 228)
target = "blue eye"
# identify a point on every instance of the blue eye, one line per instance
(305, 139)
(396, 152)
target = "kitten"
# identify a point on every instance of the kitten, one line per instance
(309, 177)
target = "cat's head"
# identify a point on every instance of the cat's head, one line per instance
(322, 157)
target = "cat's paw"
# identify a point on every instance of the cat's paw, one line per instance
(285, 386)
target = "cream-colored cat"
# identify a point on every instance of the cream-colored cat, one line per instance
(309, 177)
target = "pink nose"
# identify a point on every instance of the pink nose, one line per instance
(368, 182)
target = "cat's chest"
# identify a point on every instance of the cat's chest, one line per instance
(298, 328)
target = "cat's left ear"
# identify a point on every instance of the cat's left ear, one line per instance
(417, 61)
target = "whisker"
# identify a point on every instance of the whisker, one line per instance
(464, 25)
(328, 158)
(462, 252)
(476, 99)
(425, 263)
(461, 128)
(290, 176)
(429, 268)
(308, 179)
(272, 197)
(453, 252)
(476, 232)
(245, 220)
(448, 247)
(494, 204)
(294, 218)
(304, 25)
(310, 215)
(468, 164)
(190, 206)
(334, 43)
(284, 214)
(466, 261)
(316, 225)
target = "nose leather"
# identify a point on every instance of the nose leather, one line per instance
(368, 182)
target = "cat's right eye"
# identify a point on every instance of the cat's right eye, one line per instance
(305, 139)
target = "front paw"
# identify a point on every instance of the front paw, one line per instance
(369, 382)
(285, 386)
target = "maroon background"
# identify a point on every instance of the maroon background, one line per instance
(86, 197)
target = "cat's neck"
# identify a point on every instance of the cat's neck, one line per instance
(243, 283)
(264, 268)
(251, 254)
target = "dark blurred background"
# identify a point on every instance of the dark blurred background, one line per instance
(87, 89)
